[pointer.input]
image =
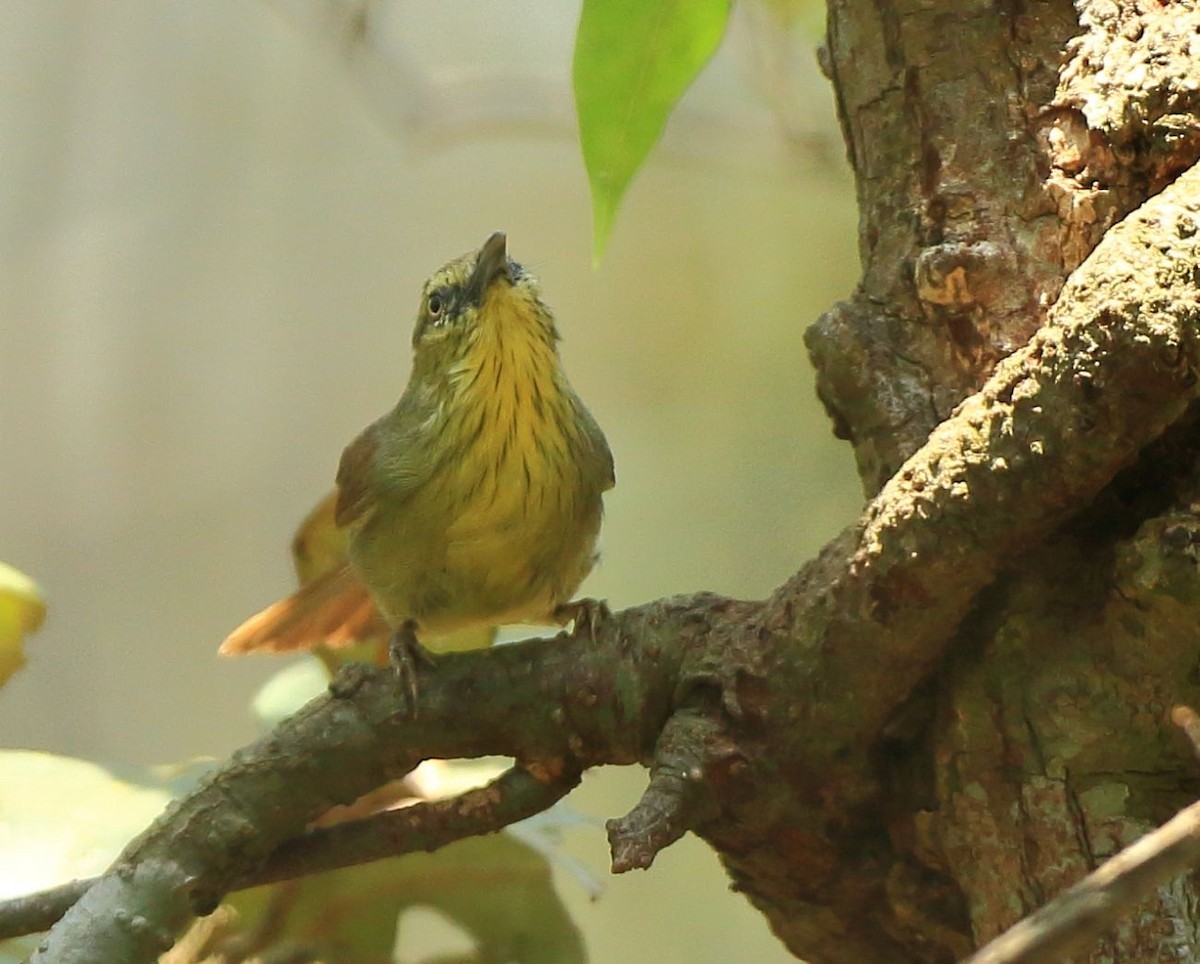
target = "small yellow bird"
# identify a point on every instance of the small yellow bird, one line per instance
(474, 503)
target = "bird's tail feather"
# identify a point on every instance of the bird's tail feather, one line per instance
(332, 609)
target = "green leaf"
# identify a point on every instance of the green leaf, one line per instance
(21, 612)
(633, 61)
(64, 818)
(496, 889)
(19, 949)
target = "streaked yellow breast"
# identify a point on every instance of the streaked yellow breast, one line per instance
(518, 539)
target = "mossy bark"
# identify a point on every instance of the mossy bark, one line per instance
(994, 146)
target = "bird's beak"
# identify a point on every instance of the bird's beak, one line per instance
(490, 264)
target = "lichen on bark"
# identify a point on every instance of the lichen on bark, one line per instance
(995, 145)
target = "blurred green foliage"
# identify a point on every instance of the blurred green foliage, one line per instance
(22, 611)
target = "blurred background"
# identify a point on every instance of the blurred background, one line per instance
(214, 222)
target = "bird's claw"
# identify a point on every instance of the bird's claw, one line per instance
(583, 612)
(408, 657)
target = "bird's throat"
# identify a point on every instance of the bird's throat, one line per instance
(511, 404)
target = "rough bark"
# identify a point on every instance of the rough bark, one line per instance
(994, 145)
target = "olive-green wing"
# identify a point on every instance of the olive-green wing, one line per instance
(597, 451)
(356, 489)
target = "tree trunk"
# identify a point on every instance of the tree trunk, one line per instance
(959, 707)
(994, 144)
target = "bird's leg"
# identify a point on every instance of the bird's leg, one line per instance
(407, 657)
(583, 612)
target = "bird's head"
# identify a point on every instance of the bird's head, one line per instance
(480, 300)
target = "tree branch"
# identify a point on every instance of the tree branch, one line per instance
(789, 695)
(1115, 364)
(551, 703)
(824, 668)
(513, 796)
(677, 798)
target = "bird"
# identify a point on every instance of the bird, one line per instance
(475, 502)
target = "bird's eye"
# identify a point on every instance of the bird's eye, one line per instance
(437, 304)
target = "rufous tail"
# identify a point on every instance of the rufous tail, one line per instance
(332, 609)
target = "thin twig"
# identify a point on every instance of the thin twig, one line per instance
(1082, 914)
(514, 795)
(676, 798)
(1186, 719)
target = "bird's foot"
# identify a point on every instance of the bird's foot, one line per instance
(583, 612)
(408, 657)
